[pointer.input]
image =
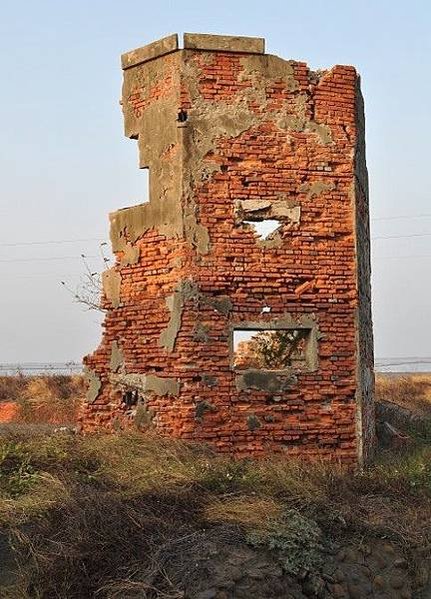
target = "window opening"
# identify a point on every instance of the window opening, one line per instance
(270, 349)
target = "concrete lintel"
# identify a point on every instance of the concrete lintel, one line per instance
(224, 43)
(159, 48)
(147, 383)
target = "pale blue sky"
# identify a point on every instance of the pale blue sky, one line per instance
(64, 163)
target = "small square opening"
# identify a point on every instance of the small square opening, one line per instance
(272, 349)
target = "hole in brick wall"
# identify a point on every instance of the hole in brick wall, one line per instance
(270, 349)
(182, 116)
(264, 228)
(130, 398)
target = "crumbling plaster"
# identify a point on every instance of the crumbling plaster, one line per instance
(192, 112)
(186, 291)
(94, 385)
(171, 208)
(147, 383)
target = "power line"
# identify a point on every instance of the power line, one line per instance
(54, 258)
(392, 364)
(402, 236)
(58, 241)
(401, 257)
(401, 217)
(48, 259)
(56, 275)
(103, 241)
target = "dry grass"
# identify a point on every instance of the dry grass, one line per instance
(410, 391)
(8, 411)
(254, 512)
(11, 387)
(54, 399)
(126, 515)
(129, 510)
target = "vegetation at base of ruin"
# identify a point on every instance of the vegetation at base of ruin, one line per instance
(120, 508)
(132, 515)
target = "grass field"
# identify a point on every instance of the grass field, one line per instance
(410, 391)
(131, 515)
(53, 399)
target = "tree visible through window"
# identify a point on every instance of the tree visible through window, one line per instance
(270, 349)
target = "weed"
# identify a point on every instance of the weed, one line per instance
(17, 475)
(298, 541)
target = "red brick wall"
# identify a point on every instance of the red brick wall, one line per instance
(255, 128)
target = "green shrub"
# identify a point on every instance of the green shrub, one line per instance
(297, 539)
(17, 475)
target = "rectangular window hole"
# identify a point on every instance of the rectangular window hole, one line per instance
(272, 349)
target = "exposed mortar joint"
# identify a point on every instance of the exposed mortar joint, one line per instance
(253, 422)
(130, 255)
(196, 234)
(143, 416)
(316, 188)
(278, 69)
(286, 212)
(261, 380)
(186, 290)
(222, 305)
(283, 210)
(209, 380)
(201, 332)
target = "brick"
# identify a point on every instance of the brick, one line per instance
(215, 127)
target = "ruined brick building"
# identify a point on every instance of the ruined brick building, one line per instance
(218, 330)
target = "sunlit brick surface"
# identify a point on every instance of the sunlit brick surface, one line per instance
(230, 137)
